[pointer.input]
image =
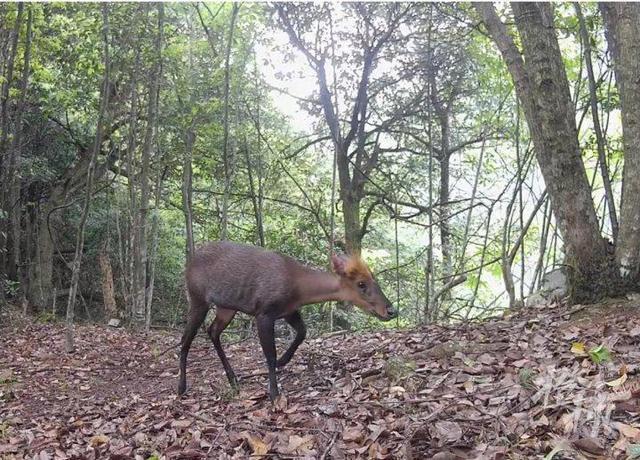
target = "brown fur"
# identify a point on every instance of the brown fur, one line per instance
(357, 268)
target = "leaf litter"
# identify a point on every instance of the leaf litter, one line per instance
(556, 382)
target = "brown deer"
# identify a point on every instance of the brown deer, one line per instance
(236, 277)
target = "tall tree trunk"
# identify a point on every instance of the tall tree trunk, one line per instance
(15, 157)
(622, 22)
(140, 250)
(257, 212)
(77, 259)
(108, 290)
(41, 275)
(226, 155)
(4, 136)
(542, 87)
(187, 166)
(445, 226)
(154, 248)
(187, 189)
(593, 101)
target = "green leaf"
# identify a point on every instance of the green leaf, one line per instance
(599, 354)
(633, 451)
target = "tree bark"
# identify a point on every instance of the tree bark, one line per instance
(15, 157)
(154, 249)
(542, 87)
(187, 191)
(622, 23)
(108, 290)
(226, 155)
(77, 259)
(4, 136)
(140, 248)
(600, 142)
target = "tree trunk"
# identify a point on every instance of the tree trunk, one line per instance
(140, 249)
(187, 201)
(445, 228)
(15, 157)
(77, 259)
(108, 290)
(542, 87)
(5, 204)
(41, 275)
(257, 211)
(226, 155)
(154, 249)
(622, 22)
(593, 100)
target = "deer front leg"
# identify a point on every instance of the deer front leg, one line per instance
(267, 341)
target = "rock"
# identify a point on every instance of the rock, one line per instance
(554, 285)
(114, 322)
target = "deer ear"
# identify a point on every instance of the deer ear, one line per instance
(338, 264)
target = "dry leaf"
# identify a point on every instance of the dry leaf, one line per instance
(186, 423)
(578, 349)
(617, 382)
(300, 444)
(353, 433)
(589, 445)
(627, 430)
(448, 432)
(258, 447)
(98, 440)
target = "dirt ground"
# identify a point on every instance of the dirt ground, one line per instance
(556, 382)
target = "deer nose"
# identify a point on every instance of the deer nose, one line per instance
(391, 312)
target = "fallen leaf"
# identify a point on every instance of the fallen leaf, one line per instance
(589, 445)
(599, 354)
(448, 432)
(98, 440)
(627, 430)
(578, 348)
(185, 423)
(300, 444)
(257, 445)
(353, 433)
(617, 382)
(633, 451)
(469, 387)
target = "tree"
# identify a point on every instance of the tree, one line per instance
(141, 261)
(541, 85)
(356, 148)
(622, 21)
(77, 258)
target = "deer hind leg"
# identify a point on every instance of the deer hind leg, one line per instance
(223, 318)
(197, 314)
(296, 322)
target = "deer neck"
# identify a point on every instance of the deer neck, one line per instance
(315, 286)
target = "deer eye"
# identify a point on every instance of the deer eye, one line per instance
(362, 286)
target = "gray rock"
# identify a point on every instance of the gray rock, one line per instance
(554, 285)
(114, 322)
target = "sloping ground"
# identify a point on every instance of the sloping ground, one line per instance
(506, 388)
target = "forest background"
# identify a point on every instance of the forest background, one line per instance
(464, 150)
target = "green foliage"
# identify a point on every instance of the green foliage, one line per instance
(269, 155)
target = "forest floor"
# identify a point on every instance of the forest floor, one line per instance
(555, 382)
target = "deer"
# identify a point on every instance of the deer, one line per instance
(269, 286)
